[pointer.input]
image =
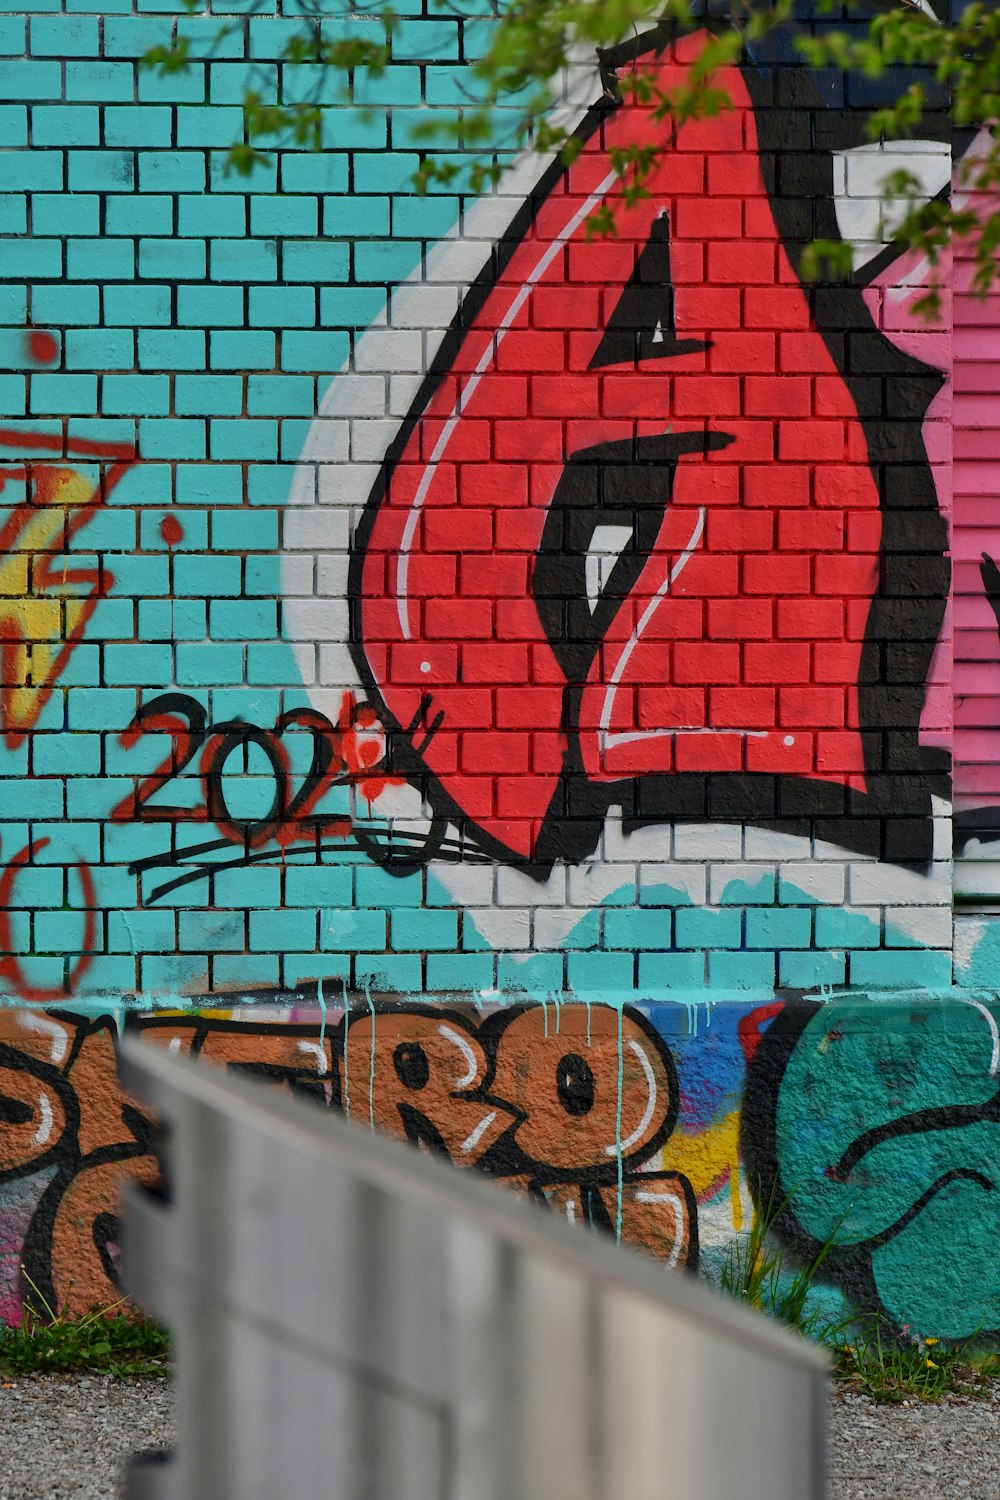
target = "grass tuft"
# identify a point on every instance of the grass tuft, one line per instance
(869, 1358)
(758, 1273)
(114, 1340)
(890, 1368)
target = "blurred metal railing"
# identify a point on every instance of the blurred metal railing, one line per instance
(357, 1320)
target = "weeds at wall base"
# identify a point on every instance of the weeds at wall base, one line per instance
(869, 1358)
(891, 1370)
(121, 1345)
(118, 1344)
(114, 1340)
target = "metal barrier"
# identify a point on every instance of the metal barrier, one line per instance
(355, 1319)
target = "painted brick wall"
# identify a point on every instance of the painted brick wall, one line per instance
(170, 334)
(495, 682)
(976, 599)
(199, 563)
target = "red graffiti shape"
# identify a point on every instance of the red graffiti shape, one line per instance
(42, 346)
(171, 531)
(634, 529)
(10, 965)
(750, 1028)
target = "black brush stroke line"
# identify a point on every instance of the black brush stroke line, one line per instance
(174, 856)
(425, 702)
(432, 730)
(941, 1117)
(451, 851)
(957, 1174)
(990, 574)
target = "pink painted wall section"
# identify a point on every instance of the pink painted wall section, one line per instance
(976, 539)
(962, 436)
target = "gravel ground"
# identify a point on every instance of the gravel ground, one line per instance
(898, 1452)
(63, 1438)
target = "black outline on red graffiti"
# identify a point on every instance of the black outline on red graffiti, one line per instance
(401, 755)
(892, 391)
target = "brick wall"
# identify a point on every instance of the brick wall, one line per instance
(448, 657)
(634, 680)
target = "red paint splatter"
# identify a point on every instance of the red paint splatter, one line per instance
(42, 346)
(361, 754)
(171, 530)
(74, 447)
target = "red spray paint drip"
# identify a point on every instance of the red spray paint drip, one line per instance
(42, 346)
(171, 531)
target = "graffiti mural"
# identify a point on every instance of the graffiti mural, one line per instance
(606, 573)
(879, 1134)
(571, 1111)
(673, 562)
(545, 643)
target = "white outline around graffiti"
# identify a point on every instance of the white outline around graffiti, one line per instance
(468, 391)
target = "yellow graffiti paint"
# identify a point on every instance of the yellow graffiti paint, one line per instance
(709, 1157)
(45, 603)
